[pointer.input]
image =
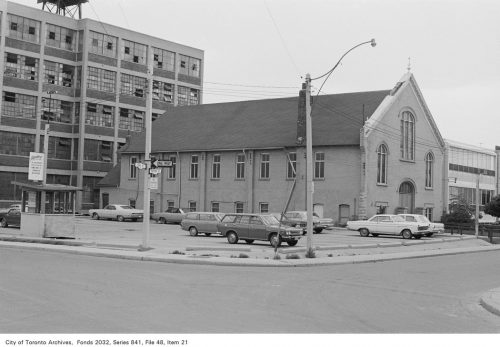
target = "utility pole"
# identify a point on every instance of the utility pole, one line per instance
(478, 197)
(309, 166)
(147, 153)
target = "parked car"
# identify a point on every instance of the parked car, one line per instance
(11, 217)
(118, 212)
(205, 222)
(14, 206)
(434, 228)
(389, 224)
(299, 219)
(171, 215)
(251, 227)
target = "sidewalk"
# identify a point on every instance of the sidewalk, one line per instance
(170, 244)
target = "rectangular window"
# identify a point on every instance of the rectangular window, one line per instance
(133, 85)
(215, 207)
(319, 165)
(134, 52)
(57, 110)
(171, 169)
(187, 96)
(216, 166)
(238, 207)
(100, 115)
(264, 166)
(429, 213)
(18, 105)
(264, 207)
(102, 44)
(291, 169)
(131, 119)
(240, 166)
(61, 37)
(133, 169)
(58, 74)
(163, 91)
(100, 79)
(192, 206)
(22, 28)
(189, 66)
(170, 204)
(163, 59)
(193, 172)
(16, 143)
(20, 66)
(96, 150)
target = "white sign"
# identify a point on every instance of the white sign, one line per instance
(140, 166)
(153, 183)
(154, 171)
(35, 171)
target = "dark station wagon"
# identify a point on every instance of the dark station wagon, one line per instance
(201, 222)
(262, 227)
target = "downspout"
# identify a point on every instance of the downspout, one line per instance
(179, 184)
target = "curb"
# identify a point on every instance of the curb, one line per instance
(172, 258)
(491, 301)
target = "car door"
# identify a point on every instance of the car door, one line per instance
(243, 227)
(111, 212)
(210, 222)
(257, 228)
(386, 225)
(13, 217)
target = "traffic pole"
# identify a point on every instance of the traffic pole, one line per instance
(309, 168)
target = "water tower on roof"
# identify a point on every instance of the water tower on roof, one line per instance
(64, 7)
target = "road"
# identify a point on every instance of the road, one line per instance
(45, 292)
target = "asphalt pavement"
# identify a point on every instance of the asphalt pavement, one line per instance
(169, 243)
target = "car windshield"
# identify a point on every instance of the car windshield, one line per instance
(422, 219)
(398, 219)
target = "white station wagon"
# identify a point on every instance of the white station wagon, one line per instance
(389, 224)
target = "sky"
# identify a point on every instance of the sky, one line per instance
(259, 49)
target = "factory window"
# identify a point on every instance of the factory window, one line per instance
(18, 105)
(102, 44)
(131, 119)
(58, 147)
(16, 143)
(61, 37)
(163, 91)
(133, 85)
(134, 52)
(100, 79)
(23, 28)
(20, 66)
(100, 115)
(189, 66)
(57, 110)
(96, 150)
(58, 74)
(187, 96)
(163, 59)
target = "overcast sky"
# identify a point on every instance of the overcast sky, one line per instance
(453, 46)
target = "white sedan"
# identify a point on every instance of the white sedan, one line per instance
(118, 212)
(434, 228)
(389, 224)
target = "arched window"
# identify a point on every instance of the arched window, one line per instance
(407, 136)
(429, 170)
(382, 164)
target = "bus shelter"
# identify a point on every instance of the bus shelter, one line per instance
(48, 210)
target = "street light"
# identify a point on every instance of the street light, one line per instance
(46, 137)
(309, 167)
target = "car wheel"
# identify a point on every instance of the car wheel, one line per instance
(249, 241)
(406, 234)
(162, 220)
(120, 219)
(275, 240)
(318, 231)
(232, 237)
(3, 223)
(193, 231)
(374, 235)
(95, 216)
(364, 232)
(292, 242)
(208, 234)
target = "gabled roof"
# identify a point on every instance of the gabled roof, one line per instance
(270, 123)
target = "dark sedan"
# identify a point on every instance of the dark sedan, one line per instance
(10, 217)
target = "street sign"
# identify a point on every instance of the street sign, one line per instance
(163, 163)
(154, 171)
(35, 170)
(153, 183)
(140, 166)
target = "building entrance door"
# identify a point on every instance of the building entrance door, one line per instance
(407, 196)
(344, 213)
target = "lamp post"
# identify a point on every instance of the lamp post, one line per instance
(309, 154)
(46, 138)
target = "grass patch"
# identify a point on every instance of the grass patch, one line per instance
(277, 256)
(177, 252)
(292, 256)
(310, 253)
